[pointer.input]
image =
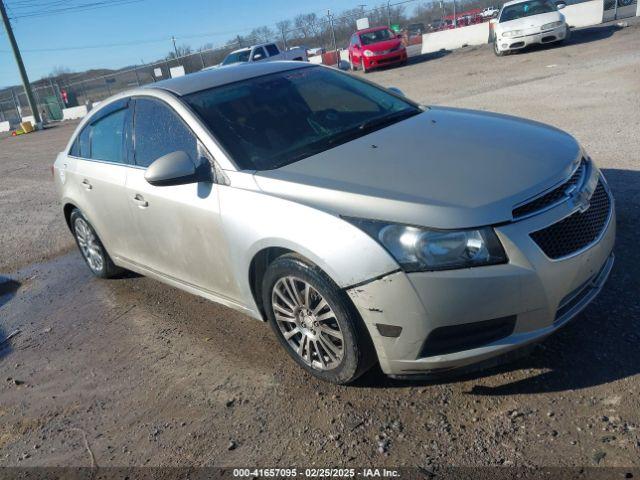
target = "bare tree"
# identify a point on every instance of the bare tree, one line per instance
(180, 51)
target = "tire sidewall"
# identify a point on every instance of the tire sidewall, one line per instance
(104, 271)
(354, 361)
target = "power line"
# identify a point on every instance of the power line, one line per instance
(75, 8)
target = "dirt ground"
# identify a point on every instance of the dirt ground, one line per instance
(132, 372)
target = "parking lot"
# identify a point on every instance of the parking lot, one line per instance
(133, 372)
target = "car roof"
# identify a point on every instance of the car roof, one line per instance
(372, 29)
(216, 77)
(514, 2)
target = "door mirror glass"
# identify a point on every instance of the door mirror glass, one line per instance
(561, 5)
(176, 168)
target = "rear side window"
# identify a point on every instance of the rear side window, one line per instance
(104, 139)
(159, 131)
(272, 49)
(82, 145)
(107, 138)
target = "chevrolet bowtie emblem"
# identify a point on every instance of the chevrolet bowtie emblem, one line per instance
(582, 199)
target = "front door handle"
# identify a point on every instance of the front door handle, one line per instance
(139, 199)
(86, 184)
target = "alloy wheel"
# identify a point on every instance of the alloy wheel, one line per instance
(308, 323)
(89, 245)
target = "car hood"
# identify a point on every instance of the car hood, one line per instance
(443, 168)
(534, 21)
(381, 46)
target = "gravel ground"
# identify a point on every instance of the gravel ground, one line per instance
(132, 372)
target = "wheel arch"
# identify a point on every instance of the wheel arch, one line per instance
(67, 209)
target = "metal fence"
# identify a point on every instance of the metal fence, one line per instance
(321, 32)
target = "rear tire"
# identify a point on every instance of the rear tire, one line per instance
(91, 248)
(315, 322)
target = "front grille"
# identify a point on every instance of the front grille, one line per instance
(388, 60)
(578, 230)
(553, 197)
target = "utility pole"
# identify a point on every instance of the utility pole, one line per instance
(175, 49)
(333, 37)
(389, 13)
(455, 17)
(23, 72)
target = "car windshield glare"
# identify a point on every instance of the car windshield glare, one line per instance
(237, 57)
(274, 120)
(526, 9)
(376, 36)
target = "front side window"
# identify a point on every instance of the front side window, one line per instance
(270, 121)
(272, 49)
(258, 54)
(159, 131)
(376, 36)
(526, 9)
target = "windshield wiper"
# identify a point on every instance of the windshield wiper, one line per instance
(387, 119)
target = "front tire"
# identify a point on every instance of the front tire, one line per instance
(496, 50)
(363, 66)
(91, 248)
(315, 322)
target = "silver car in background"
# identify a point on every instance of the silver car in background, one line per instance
(362, 226)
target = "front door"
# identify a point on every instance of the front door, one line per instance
(179, 232)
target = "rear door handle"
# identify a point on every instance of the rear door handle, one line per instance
(139, 199)
(86, 184)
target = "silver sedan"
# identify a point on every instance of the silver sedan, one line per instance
(362, 226)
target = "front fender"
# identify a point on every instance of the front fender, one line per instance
(254, 221)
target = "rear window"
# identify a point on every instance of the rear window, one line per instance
(272, 49)
(376, 36)
(237, 57)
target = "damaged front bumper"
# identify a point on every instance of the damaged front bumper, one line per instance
(429, 322)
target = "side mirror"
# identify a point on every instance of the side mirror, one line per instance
(397, 91)
(257, 56)
(561, 5)
(176, 168)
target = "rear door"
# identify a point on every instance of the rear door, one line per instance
(100, 172)
(179, 231)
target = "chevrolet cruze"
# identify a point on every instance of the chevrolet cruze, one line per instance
(362, 226)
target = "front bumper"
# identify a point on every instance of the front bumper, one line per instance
(532, 295)
(392, 58)
(517, 43)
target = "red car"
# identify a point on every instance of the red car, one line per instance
(376, 47)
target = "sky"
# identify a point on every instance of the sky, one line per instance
(146, 26)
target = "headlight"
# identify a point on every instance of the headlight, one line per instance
(420, 249)
(368, 53)
(512, 33)
(549, 26)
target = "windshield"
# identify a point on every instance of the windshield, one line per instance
(376, 36)
(274, 120)
(237, 57)
(526, 9)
